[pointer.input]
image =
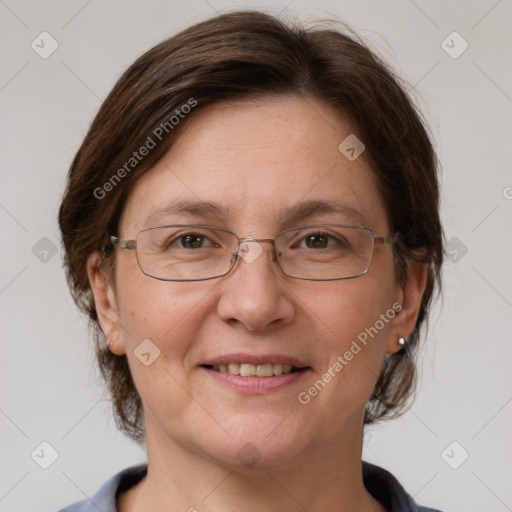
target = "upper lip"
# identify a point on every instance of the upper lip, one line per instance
(241, 358)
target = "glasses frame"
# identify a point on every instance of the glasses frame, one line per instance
(131, 245)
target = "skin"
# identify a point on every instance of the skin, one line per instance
(257, 158)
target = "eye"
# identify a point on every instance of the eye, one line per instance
(317, 241)
(192, 241)
(322, 240)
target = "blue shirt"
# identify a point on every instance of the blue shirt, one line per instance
(381, 484)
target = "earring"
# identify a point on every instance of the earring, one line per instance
(402, 341)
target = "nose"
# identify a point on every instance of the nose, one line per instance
(253, 293)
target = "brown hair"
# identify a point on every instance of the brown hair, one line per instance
(243, 55)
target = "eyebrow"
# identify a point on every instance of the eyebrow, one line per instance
(188, 207)
(313, 207)
(298, 212)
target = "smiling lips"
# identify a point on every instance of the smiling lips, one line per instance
(253, 370)
(253, 375)
(245, 365)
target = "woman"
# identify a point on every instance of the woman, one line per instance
(252, 226)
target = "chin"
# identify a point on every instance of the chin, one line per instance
(258, 445)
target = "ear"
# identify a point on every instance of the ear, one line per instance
(106, 304)
(409, 296)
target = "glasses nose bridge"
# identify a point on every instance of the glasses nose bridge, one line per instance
(250, 239)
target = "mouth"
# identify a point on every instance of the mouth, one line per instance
(255, 374)
(255, 370)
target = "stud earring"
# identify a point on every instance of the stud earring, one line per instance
(402, 341)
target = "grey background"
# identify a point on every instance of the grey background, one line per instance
(49, 387)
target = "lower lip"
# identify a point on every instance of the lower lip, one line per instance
(256, 385)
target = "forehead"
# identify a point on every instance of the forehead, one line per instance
(257, 163)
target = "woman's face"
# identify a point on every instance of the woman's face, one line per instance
(257, 161)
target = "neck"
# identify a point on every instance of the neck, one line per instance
(321, 477)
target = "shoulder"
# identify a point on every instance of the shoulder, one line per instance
(384, 487)
(105, 498)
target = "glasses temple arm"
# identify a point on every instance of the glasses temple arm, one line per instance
(387, 239)
(129, 245)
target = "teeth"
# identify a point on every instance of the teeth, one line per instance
(234, 368)
(251, 370)
(247, 370)
(264, 370)
(278, 369)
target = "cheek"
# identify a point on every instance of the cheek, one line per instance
(165, 312)
(348, 308)
(356, 316)
(161, 319)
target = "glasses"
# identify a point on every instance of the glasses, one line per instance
(189, 252)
